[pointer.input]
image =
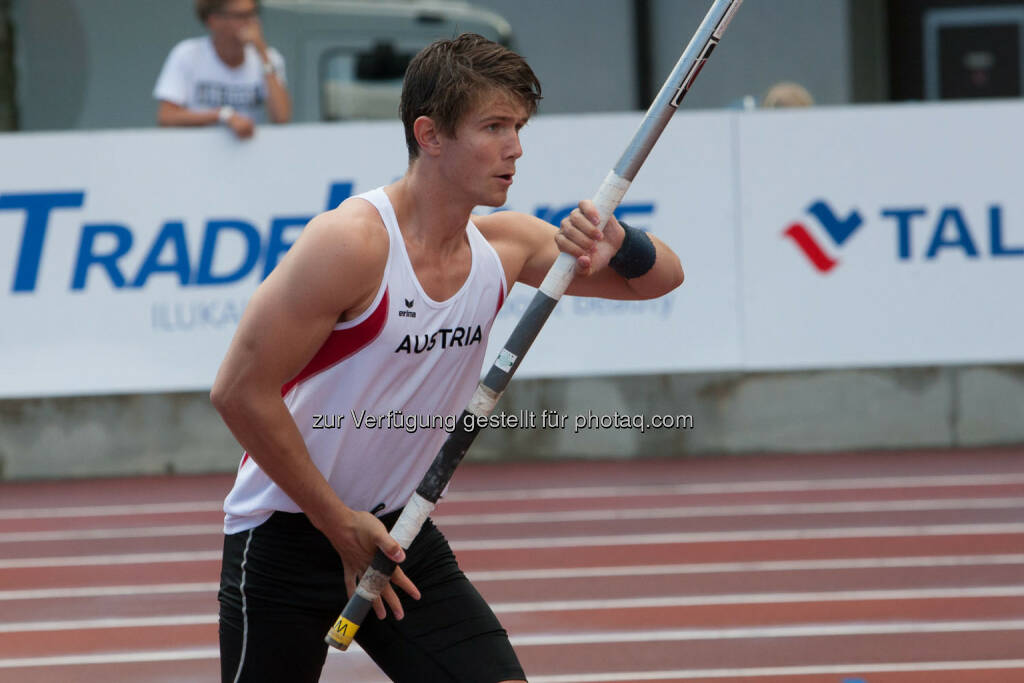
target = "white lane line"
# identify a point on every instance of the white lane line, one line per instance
(739, 536)
(134, 657)
(120, 532)
(126, 509)
(779, 671)
(741, 487)
(796, 485)
(759, 599)
(799, 631)
(745, 567)
(111, 658)
(601, 515)
(588, 605)
(105, 560)
(697, 511)
(108, 591)
(756, 672)
(558, 573)
(1011, 528)
(633, 636)
(112, 622)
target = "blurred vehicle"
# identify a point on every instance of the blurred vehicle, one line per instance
(346, 58)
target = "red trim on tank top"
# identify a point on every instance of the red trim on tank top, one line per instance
(338, 346)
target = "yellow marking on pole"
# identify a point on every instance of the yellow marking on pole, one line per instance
(342, 633)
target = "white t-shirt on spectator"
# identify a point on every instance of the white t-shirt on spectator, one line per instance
(194, 77)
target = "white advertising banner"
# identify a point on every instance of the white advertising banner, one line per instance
(832, 237)
(127, 258)
(882, 236)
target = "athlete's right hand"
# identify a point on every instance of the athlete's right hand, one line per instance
(357, 543)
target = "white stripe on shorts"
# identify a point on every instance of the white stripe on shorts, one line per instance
(245, 616)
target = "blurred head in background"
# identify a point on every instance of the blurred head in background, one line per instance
(787, 94)
(229, 21)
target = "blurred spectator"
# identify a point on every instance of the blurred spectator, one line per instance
(787, 94)
(230, 76)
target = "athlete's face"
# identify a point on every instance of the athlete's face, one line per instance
(481, 158)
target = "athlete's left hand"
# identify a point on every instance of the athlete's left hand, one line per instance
(580, 237)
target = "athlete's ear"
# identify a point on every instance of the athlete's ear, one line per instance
(427, 135)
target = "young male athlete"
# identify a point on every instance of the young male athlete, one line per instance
(384, 304)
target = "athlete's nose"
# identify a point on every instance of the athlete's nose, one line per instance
(516, 149)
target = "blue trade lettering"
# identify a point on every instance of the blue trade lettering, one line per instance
(105, 248)
(87, 255)
(37, 209)
(171, 235)
(962, 239)
(102, 247)
(279, 241)
(950, 233)
(214, 229)
(903, 217)
(995, 232)
(555, 215)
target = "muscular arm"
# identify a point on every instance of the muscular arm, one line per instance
(529, 247)
(329, 273)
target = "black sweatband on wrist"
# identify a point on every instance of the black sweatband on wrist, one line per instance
(636, 255)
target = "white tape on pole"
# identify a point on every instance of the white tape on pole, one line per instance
(414, 514)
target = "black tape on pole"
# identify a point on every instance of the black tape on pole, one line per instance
(449, 457)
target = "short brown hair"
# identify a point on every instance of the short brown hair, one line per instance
(204, 8)
(445, 78)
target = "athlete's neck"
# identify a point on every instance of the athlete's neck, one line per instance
(428, 212)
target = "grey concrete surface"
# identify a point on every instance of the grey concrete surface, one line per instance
(990, 406)
(113, 435)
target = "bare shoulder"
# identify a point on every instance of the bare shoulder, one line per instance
(514, 230)
(350, 237)
(338, 260)
(525, 243)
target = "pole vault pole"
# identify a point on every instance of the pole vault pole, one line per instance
(487, 393)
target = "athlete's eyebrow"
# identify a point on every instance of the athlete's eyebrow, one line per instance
(502, 118)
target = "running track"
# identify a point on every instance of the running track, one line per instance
(857, 568)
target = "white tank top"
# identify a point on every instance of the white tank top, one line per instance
(378, 399)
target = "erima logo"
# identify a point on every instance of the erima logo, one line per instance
(407, 314)
(447, 336)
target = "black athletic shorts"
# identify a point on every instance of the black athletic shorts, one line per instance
(282, 587)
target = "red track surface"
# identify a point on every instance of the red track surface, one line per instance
(873, 568)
